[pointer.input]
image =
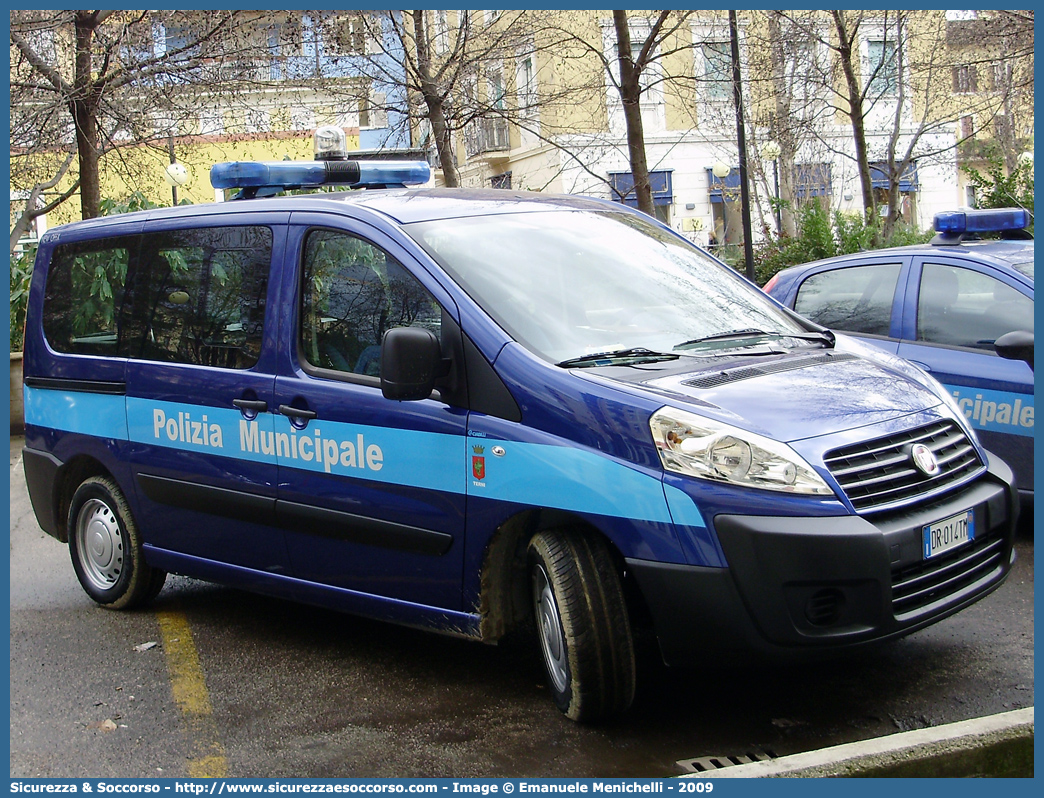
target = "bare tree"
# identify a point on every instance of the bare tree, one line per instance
(117, 89)
(787, 105)
(847, 49)
(629, 86)
(34, 205)
(641, 45)
(99, 79)
(458, 70)
(450, 64)
(906, 82)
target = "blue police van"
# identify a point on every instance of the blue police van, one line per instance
(481, 411)
(943, 306)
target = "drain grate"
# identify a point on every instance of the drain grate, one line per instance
(704, 764)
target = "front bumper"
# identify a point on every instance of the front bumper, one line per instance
(805, 586)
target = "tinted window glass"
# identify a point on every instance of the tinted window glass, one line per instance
(352, 293)
(855, 299)
(198, 296)
(962, 307)
(85, 288)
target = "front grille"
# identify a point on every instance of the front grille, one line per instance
(880, 475)
(928, 581)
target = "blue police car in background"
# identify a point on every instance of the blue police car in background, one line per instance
(943, 306)
(479, 411)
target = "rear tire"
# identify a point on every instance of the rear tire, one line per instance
(582, 625)
(106, 548)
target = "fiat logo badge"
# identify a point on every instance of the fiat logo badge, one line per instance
(924, 459)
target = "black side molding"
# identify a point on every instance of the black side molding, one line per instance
(79, 386)
(327, 523)
(217, 501)
(304, 518)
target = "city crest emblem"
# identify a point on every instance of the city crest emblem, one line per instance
(478, 462)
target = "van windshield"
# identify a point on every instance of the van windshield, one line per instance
(570, 284)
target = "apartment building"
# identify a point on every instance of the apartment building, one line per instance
(564, 129)
(531, 103)
(257, 95)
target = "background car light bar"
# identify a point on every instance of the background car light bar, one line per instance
(288, 174)
(982, 221)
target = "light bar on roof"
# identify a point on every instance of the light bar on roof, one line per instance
(987, 220)
(310, 174)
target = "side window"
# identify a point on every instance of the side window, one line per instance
(352, 292)
(855, 299)
(963, 307)
(83, 296)
(199, 296)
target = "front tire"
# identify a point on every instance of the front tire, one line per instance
(582, 625)
(106, 548)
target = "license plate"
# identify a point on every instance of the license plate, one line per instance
(948, 534)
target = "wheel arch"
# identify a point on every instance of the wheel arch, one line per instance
(504, 599)
(68, 478)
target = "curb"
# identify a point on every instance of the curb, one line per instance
(994, 746)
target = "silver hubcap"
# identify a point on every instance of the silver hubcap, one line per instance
(99, 544)
(552, 638)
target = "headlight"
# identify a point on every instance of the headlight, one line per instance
(699, 447)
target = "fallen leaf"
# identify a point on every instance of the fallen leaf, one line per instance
(106, 725)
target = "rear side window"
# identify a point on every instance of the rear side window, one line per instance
(199, 296)
(963, 307)
(855, 299)
(84, 293)
(186, 296)
(352, 293)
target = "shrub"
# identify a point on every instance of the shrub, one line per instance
(21, 276)
(825, 235)
(135, 202)
(995, 189)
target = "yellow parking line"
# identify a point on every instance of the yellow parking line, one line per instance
(190, 694)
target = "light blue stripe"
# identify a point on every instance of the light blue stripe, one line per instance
(567, 479)
(683, 509)
(538, 475)
(100, 415)
(995, 411)
(175, 425)
(400, 457)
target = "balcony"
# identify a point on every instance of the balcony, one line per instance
(488, 139)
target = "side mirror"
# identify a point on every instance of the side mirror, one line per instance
(1016, 345)
(411, 361)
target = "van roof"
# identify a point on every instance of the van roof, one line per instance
(401, 205)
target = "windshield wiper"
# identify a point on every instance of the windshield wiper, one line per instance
(638, 354)
(750, 332)
(822, 336)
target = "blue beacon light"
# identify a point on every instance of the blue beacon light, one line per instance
(288, 174)
(953, 226)
(330, 167)
(990, 220)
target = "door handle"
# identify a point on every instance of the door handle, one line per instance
(295, 412)
(251, 405)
